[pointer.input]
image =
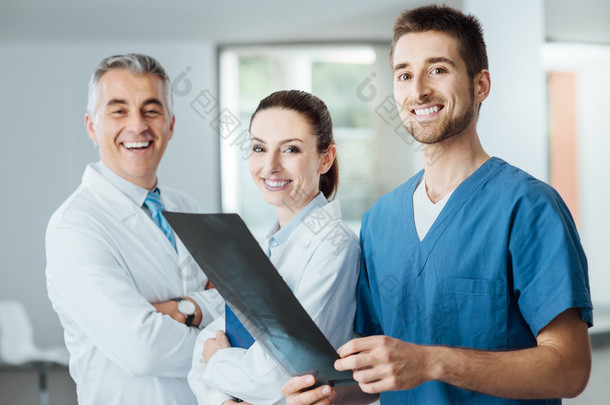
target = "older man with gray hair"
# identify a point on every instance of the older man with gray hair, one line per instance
(128, 294)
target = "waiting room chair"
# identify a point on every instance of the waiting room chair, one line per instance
(17, 347)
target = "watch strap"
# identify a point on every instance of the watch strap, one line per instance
(189, 318)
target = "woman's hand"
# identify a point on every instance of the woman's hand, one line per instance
(298, 391)
(211, 346)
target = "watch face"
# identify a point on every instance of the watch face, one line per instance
(186, 307)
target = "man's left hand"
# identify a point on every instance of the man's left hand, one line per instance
(382, 363)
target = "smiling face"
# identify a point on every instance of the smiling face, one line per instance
(132, 125)
(435, 97)
(284, 160)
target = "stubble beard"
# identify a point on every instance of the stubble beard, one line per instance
(435, 132)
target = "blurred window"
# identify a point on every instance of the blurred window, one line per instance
(336, 74)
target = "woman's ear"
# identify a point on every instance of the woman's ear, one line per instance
(328, 158)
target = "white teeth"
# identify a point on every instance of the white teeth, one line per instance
(136, 145)
(276, 183)
(426, 111)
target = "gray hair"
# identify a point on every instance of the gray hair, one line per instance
(134, 63)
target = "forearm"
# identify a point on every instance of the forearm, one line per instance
(140, 341)
(249, 374)
(558, 367)
(536, 373)
(100, 305)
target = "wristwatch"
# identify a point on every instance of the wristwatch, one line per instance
(186, 308)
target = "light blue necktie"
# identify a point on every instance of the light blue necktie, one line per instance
(154, 204)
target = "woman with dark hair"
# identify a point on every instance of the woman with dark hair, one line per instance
(293, 161)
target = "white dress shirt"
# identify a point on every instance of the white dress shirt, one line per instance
(107, 261)
(318, 257)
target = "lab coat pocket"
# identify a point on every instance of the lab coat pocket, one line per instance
(474, 312)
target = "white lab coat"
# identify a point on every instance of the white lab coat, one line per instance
(320, 264)
(107, 261)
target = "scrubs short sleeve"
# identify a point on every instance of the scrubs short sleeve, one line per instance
(549, 265)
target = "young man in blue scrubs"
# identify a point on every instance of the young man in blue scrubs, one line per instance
(474, 285)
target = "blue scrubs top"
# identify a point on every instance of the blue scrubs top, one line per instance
(500, 262)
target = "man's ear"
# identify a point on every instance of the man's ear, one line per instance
(482, 86)
(328, 158)
(89, 124)
(171, 127)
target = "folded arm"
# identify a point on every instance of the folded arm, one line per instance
(90, 287)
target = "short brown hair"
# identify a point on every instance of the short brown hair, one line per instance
(316, 114)
(466, 28)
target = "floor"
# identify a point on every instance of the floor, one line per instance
(20, 387)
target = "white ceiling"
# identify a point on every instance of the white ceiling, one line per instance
(262, 20)
(577, 21)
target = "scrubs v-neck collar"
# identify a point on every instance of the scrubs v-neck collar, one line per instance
(419, 251)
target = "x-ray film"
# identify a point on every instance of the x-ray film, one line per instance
(234, 262)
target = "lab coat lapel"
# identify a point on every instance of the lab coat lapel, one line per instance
(293, 251)
(298, 244)
(456, 202)
(190, 271)
(316, 222)
(122, 207)
(116, 203)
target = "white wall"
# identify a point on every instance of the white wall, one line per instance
(512, 124)
(44, 148)
(593, 142)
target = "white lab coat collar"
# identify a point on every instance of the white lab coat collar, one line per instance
(126, 210)
(114, 200)
(310, 226)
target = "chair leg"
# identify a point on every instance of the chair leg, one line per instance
(43, 392)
